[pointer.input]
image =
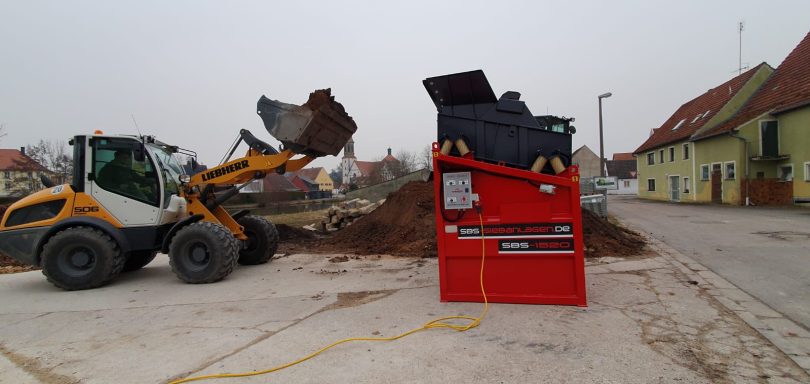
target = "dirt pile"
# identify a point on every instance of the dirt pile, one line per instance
(287, 233)
(294, 239)
(404, 225)
(603, 238)
(9, 265)
(323, 98)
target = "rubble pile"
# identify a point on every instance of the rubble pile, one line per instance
(345, 213)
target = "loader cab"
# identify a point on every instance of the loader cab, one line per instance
(136, 180)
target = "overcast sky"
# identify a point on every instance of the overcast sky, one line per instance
(191, 71)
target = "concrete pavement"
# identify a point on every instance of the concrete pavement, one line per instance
(646, 323)
(764, 251)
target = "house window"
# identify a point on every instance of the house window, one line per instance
(7, 174)
(769, 138)
(8, 185)
(786, 172)
(651, 185)
(685, 185)
(650, 158)
(807, 171)
(627, 182)
(671, 154)
(704, 172)
(686, 151)
(661, 156)
(731, 173)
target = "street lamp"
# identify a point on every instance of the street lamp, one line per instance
(601, 136)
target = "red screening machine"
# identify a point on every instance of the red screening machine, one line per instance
(494, 157)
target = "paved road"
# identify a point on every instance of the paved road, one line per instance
(763, 251)
(644, 324)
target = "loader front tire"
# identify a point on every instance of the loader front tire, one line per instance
(138, 259)
(262, 241)
(203, 252)
(81, 258)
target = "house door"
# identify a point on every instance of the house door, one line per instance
(717, 183)
(674, 188)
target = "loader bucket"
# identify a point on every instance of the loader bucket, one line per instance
(318, 128)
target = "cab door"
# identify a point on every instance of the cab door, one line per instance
(123, 179)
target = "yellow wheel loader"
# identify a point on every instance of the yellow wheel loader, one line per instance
(130, 199)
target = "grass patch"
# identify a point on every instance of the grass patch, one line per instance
(298, 219)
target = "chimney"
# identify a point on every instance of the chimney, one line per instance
(389, 151)
(22, 150)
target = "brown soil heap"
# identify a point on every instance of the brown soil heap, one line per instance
(9, 265)
(323, 97)
(404, 225)
(603, 238)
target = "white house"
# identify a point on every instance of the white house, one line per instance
(623, 166)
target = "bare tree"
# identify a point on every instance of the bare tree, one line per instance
(425, 160)
(3, 132)
(407, 163)
(337, 175)
(53, 155)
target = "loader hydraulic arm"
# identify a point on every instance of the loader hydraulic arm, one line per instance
(254, 166)
(319, 127)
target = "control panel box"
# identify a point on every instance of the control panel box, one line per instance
(457, 190)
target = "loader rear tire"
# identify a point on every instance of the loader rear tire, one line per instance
(203, 252)
(138, 259)
(262, 241)
(81, 258)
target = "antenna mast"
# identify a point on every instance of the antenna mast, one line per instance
(136, 126)
(740, 28)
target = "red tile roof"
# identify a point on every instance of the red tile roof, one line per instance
(367, 167)
(623, 156)
(274, 182)
(691, 116)
(300, 184)
(786, 89)
(309, 173)
(13, 159)
(390, 158)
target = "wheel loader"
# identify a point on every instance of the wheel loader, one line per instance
(130, 200)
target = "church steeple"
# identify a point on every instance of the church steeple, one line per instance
(348, 149)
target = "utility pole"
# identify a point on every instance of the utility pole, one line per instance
(601, 136)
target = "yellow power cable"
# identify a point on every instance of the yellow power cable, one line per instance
(436, 323)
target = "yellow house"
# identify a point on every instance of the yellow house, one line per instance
(744, 142)
(318, 176)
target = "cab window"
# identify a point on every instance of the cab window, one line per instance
(121, 167)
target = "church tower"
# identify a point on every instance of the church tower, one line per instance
(347, 164)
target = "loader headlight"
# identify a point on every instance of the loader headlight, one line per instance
(185, 179)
